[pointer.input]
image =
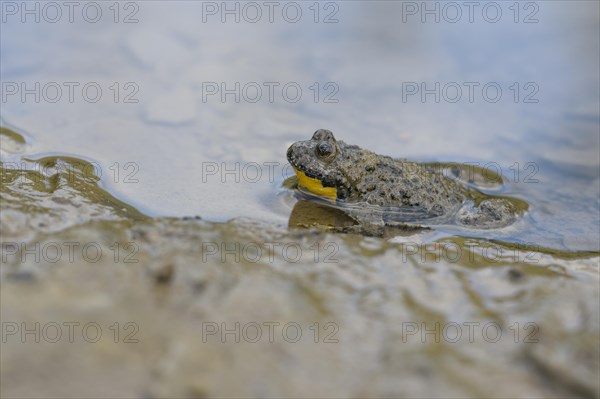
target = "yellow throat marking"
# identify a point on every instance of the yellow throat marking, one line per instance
(314, 185)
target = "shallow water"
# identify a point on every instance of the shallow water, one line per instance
(158, 145)
(168, 153)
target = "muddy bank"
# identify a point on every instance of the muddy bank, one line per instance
(99, 300)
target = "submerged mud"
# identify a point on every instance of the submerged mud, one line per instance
(101, 300)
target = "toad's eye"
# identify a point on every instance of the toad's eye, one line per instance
(324, 149)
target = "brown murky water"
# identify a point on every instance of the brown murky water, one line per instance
(112, 287)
